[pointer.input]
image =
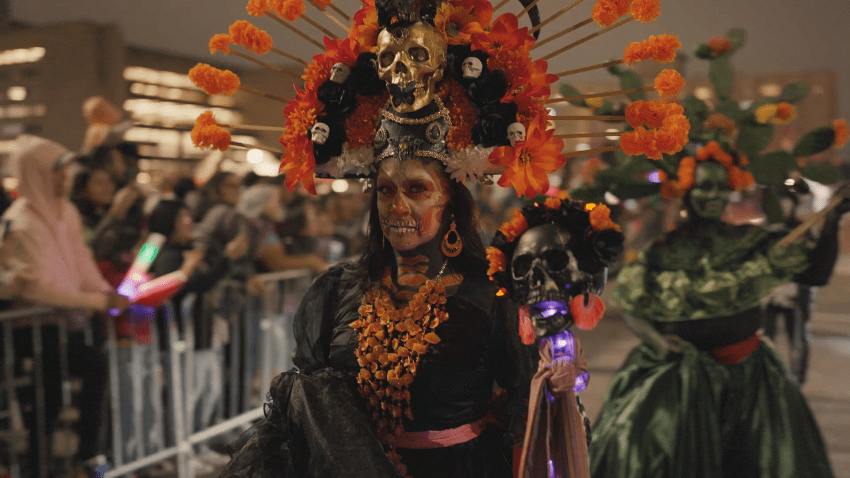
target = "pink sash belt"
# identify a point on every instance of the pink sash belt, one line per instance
(438, 438)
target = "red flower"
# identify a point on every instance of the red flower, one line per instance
(530, 161)
(365, 29)
(457, 24)
(505, 34)
(298, 163)
(482, 9)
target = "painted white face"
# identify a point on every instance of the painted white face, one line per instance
(340, 72)
(471, 68)
(516, 132)
(319, 133)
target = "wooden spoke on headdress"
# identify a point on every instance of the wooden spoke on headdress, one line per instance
(589, 68)
(645, 89)
(811, 221)
(322, 29)
(553, 17)
(564, 32)
(587, 118)
(251, 127)
(591, 152)
(295, 29)
(589, 37)
(290, 56)
(500, 5)
(589, 135)
(331, 17)
(341, 13)
(267, 65)
(252, 146)
(263, 94)
(526, 9)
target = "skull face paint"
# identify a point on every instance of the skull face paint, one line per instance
(412, 196)
(710, 195)
(411, 61)
(471, 68)
(340, 72)
(516, 132)
(319, 133)
(546, 275)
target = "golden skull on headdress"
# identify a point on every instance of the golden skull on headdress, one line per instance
(411, 61)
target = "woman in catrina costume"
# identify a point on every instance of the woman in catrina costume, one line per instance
(703, 395)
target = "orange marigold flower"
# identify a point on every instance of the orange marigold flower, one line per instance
(288, 9)
(562, 195)
(635, 52)
(663, 48)
(650, 113)
(600, 218)
(738, 178)
(205, 135)
(606, 12)
(257, 8)
(719, 45)
(365, 29)
(640, 141)
(552, 203)
(220, 42)
(214, 81)
(842, 132)
(646, 10)
(515, 227)
(461, 112)
(529, 162)
(685, 174)
(360, 126)
(785, 112)
(669, 83)
(251, 37)
(497, 260)
(457, 24)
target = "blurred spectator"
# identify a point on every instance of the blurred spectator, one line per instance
(46, 250)
(222, 187)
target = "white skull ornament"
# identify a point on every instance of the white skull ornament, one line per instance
(411, 61)
(516, 132)
(340, 72)
(471, 68)
(319, 133)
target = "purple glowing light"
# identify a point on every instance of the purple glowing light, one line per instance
(564, 349)
(548, 308)
(654, 177)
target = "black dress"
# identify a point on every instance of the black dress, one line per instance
(316, 423)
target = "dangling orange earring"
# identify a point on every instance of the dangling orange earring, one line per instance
(586, 310)
(451, 246)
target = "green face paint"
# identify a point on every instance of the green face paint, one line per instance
(710, 194)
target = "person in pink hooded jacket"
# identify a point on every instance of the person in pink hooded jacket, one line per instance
(45, 251)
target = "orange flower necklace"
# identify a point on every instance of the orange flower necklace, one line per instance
(391, 342)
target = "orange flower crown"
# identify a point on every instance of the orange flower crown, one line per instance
(739, 179)
(596, 240)
(510, 87)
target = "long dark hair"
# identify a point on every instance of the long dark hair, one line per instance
(472, 261)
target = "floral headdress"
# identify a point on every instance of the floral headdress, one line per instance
(597, 239)
(742, 131)
(489, 84)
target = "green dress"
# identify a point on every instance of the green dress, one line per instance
(683, 414)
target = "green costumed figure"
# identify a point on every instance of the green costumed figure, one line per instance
(703, 395)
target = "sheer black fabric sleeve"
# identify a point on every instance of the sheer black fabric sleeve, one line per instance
(316, 317)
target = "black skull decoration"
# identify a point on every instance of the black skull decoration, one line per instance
(559, 257)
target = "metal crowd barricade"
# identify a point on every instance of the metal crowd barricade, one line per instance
(261, 340)
(13, 434)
